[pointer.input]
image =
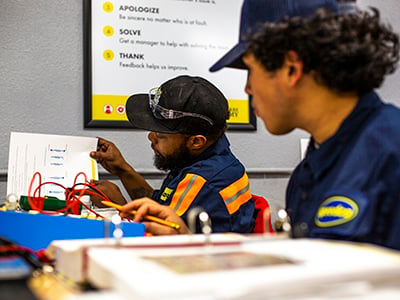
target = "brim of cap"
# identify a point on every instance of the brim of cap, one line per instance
(232, 59)
(140, 115)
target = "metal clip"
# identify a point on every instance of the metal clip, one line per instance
(12, 202)
(197, 213)
(117, 233)
(282, 222)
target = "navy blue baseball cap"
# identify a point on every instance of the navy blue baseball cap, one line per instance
(256, 12)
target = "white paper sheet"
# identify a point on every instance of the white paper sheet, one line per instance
(58, 158)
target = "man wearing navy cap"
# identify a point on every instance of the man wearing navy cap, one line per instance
(314, 65)
(186, 117)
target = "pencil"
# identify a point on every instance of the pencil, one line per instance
(149, 218)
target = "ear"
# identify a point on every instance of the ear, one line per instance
(294, 67)
(196, 142)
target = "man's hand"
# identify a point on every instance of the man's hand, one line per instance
(109, 156)
(148, 207)
(108, 188)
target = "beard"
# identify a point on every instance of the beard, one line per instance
(179, 159)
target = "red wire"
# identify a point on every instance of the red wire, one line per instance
(30, 201)
(88, 208)
(41, 254)
(92, 186)
(73, 191)
(84, 183)
(71, 199)
(13, 248)
(68, 205)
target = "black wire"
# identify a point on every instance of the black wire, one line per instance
(26, 255)
(5, 241)
(100, 193)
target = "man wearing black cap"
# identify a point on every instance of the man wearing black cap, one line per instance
(314, 65)
(186, 117)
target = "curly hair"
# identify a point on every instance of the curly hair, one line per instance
(348, 53)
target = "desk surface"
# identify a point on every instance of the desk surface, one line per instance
(16, 289)
(140, 268)
(322, 269)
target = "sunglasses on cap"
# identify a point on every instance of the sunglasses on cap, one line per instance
(160, 112)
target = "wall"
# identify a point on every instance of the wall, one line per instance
(41, 71)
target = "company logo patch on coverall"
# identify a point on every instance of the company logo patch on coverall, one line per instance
(166, 193)
(336, 210)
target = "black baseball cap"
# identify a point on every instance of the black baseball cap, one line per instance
(195, 105)
(256, 12)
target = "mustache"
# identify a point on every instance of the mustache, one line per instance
(156, 153)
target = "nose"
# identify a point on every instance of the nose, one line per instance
(247, 88)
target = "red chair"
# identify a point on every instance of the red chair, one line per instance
(263, 216)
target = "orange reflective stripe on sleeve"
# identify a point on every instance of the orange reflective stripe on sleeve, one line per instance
(236, 194)
(185, 193)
